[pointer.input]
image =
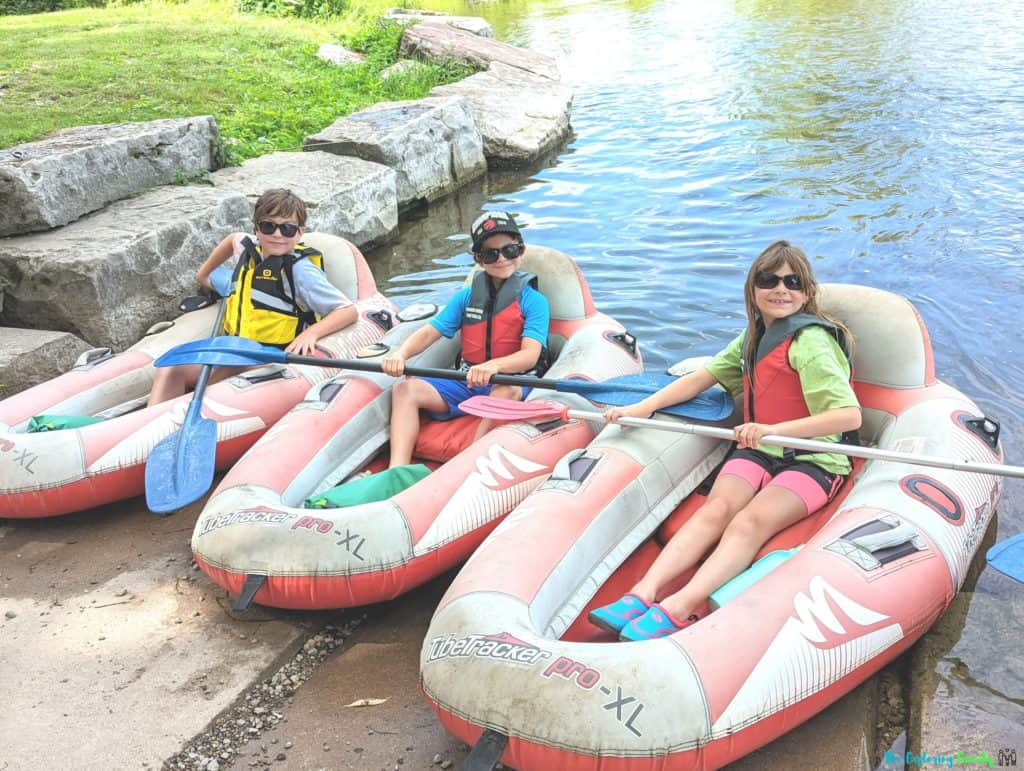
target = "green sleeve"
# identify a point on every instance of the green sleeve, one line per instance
(825, 378)
(823, 369)
(725, 366)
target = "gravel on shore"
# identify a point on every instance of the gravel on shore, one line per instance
(259, 709)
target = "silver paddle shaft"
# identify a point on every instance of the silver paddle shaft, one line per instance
(815, 445)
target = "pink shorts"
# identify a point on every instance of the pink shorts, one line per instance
(811, 483)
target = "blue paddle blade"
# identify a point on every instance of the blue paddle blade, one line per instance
(1008, 557)
(713, 404)
(180, 468)
(222, 351)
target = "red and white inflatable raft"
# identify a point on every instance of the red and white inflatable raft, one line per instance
(56, 472)
(510, 651)
(254, 539)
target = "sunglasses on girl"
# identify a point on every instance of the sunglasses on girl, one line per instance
(765, 280)
(508, 251)
(287, 229)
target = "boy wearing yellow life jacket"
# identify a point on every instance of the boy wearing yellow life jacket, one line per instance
(281, 296)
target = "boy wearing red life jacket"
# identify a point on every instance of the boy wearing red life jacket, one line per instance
(504, 324)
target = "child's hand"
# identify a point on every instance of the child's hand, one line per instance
(638, 410)
(304, 344)
(393, 365)
(750, 434)
(480, 374)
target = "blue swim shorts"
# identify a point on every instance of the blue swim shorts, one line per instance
(454, 392)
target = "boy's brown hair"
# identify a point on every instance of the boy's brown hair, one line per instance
(280, 202)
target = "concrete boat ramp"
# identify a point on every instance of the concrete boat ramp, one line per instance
(116, 653)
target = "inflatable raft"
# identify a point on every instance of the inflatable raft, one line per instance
(510, 656)
(255, 538)
(56, 472)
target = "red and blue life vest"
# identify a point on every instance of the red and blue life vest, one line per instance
(493, 321)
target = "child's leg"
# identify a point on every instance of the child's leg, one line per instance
(728, 496)
(408, 397)
(501, 392)
(772, 510)
(171, 382)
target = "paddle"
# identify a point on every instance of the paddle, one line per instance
(180, 468)
(713, 404)
(1008, 557)
(506, 409)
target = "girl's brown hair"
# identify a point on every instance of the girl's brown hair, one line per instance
(280, 202)
(770, 260)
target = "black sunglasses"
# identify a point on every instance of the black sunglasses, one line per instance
(508, 251)
(287, 229)
(791, 281)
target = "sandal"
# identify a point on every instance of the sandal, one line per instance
(614, 616)
(655, 623)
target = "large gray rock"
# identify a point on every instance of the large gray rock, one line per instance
(111, 275)
(441, 43)
(472, 24)
(521, 116)
(432, 144)
(348, 197)
(32, 356)
(54, 181)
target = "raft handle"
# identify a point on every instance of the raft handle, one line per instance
(329, 390)
(417, 312)
(985, 428)
(624, 340)
(487, 751)
(93, 356)
(265, 374)
(382, 318)
(196, 302)
(878, 542)
(253, 583)
(160, 326)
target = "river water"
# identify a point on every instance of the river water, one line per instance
(883, 136)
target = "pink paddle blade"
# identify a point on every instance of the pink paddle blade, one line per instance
(508, 409)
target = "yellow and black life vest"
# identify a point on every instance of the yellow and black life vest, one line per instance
(263, 306)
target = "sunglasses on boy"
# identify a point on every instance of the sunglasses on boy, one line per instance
(508, 251)
(287, 229)
(791, 281)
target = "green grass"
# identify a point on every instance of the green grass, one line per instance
(257, 75)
